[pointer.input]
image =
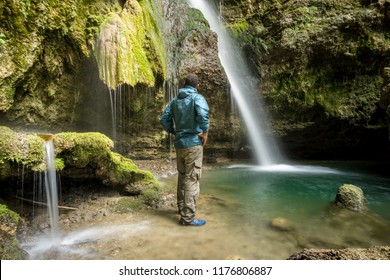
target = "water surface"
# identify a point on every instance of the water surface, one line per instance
(239, 202)
(302, 195)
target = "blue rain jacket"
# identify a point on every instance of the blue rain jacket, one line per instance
(186, 116)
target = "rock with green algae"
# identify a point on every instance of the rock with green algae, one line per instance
(18, 148)
(9, 245)
(130, 48)
(92, 150)
(351, 197)
(87, 155)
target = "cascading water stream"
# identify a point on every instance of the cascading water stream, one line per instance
(242, 83)
(51, 186)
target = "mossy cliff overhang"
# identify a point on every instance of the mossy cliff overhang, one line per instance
(25, 28)
(130, 48)
(43, 58)
(73, 151)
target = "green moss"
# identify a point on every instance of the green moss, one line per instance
(151, 195)
(20, 148)
(123, 171)
(9, 245)
(133, 49)
(43, 56)
(59, 163)
(128, 205)
(154, 40)
(71, 27)
(2, 39)
(8, 217)
(305, 93)
(91, 149)
(238, 28)
(81, 149)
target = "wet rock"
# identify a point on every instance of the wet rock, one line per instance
(281, 224)
(372, 253)
(351, 197)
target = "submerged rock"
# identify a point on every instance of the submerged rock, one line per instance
(281, 224)
(351, 197)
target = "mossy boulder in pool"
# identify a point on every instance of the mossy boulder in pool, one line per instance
(351, 197)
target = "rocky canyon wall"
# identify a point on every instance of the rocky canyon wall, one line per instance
(322, 67)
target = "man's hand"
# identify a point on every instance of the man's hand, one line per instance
(204, 136)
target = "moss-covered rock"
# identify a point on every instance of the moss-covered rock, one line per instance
(86, 155)
(82, 149)
(351, 197)
(22, 149)
(9, 245)
(92, 150)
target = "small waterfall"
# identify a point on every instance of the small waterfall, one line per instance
(130, 108)
(242, 83)
(50, 181)
(171, 89)
(113, 101)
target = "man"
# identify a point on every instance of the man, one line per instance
(186, 117)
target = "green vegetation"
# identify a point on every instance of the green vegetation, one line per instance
(81, 149)
(20, 149)
(322, 60)
(43, 56)
(133, 51)
(128, 205)
(73, 150)
(9, 245)
(2, 39)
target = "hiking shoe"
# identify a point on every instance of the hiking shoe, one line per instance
(194, 222)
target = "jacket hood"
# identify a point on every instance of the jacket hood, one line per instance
(186, 91)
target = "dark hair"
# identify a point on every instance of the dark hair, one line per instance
(191, 80)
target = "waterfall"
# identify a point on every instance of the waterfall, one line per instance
(50, 182)
(242, 83)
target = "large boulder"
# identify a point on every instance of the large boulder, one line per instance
(351, 197)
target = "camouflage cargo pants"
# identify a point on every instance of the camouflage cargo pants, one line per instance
(189, 167)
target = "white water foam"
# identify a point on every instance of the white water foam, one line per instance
(69, 243)
(286, 168)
